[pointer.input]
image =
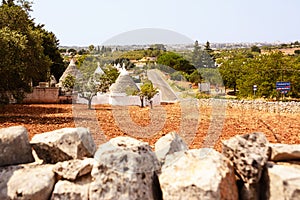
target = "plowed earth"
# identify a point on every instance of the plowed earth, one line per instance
(106, 122)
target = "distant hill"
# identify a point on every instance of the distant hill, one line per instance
(148, 36)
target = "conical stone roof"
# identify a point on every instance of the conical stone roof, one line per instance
(72, 70)
(99, 70)
(123, 84)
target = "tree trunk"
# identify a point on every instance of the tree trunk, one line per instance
(142, 102)
(151, 104)
(90, 103)
(234, 88)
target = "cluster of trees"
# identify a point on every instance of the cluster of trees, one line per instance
(95, 50)
(28, 52)
(153, 51)
(176, 62)
(241, 69)
(197, 66)
(89, 84)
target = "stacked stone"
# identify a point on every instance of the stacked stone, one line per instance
(65, 164)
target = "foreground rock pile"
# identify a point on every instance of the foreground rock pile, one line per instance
(65, 164)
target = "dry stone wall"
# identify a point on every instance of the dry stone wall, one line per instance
(272, 107)
(65, 164)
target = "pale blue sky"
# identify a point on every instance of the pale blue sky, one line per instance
(78, 22)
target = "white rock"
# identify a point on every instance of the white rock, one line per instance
(249, 155)
(198, 174)
(14, 146)
(285, 152)
(284, 182)
(78, 190)
(169, 144)
(73, 169)
(125, 170)
(64, 144)
(26, 182)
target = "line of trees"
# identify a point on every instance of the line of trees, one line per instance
(241, 69)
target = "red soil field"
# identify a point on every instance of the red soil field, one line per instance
(103, 123)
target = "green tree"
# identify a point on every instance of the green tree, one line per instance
(147, 91)
(24, 4)
(91, 48)
(72, 51)
(23, 61)
(90, 85)
(69, 82)
(88, 89)
(211, 75)
(255, 49)
(195, 77)
(207, 48)
(295, 76)
(82, 52)
(158, 47)
(50, 44)
(202, 58)
(297, 52)
(176, 62)
(263, 71)
(231, 67)
(177, 76)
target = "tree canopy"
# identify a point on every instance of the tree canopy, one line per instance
(241, 71)
(21, 52)
(25, 51)
(175, 61)
(90, 84)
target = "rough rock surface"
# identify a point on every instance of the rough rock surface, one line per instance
(64, 144)
(26, 182)
(284, 152)
(284, 182)
(14, 146)
(169, 144)
(78, 190)
(249, 155)
(198, 174)
(271, 107)
(125, 170)
(73, 169)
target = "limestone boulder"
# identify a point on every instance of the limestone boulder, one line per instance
(22, 182)
(73, 169)
(169, 144)
(284, 182)
(198, 174)
(78, 190)
(125, 169)
(64, 144)
(14, 146)
(249, 154)
(284, 152)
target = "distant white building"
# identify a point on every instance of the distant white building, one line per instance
(120, 89)
(118, 93)
(99, 70)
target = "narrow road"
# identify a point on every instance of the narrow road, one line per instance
(167, 94)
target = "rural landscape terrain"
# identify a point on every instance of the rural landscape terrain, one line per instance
(39, 118)
(191, 71)
(173, 118)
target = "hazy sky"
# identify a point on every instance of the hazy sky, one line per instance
(78, 22)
